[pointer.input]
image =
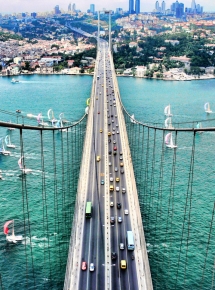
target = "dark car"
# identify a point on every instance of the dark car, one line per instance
(112, 220)
(110, 152)
(119, 205)
(109, 140)
(113, 255)
(121, 171)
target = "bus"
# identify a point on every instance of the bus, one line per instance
(88, 213)
(130, 241)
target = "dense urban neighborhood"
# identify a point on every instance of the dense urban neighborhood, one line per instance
(144, 45)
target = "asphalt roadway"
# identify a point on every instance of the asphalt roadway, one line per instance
(93, 246)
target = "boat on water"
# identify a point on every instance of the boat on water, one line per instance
(18, 111)
(8, 142)
(22, 167)
(132, 119)
(51, 117)
(207, 108)
(2, 149)
(169, 142)
(11, 238)
(168, 123)
(40, 120)
(61, 117)
(167, 111)
(87, 110)
(199, 126)
(14, 81)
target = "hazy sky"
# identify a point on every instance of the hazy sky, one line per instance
(47, 5)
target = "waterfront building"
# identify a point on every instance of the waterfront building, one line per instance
(157, 6)
(73, 7)
(131, 6)
(70, 7)
(92, 8)
(137, 6)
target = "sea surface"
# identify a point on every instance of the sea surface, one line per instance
(177, 213)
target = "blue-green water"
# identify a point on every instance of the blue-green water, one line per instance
(171, 209)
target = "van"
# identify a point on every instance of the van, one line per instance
(123, 264)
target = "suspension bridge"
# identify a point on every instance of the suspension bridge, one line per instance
(167, 193)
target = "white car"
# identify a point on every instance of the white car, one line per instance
(126, 211)
(121, 246)
(117, 188)
(123, 190)
(111, 179)
(117, 132)
(119, 219)
(92, 267)
(110, 163)
(111, 203)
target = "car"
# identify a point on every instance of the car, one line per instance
(114, 148)
(112, 121)
(98, 112)
(117, 188)
(109, 140)
(108, 116)
(98, 158)
(123, 264)
(110, 163)
(121, 153)
(117, 132)
(119, 219)
(102, 85)
(119, 205)
(92, 267)
(123, 190)
(111, 188)
(109, 123)
(126, 211)
(110, 152)
(111, 179)
(113, 255)
(102, 182)
(114, 105)
(115, 116)
(111, 203)
(112, 220)
(113, 133)
(121, 246)
(120, 158)
(112, 116)
(121, 171)
(84, 266)
(115, 169)
(101, 131)
(113, 129)
(117, 125)
(96, 98)
(110, 104)
(114, 141)
(107, 101)
(109, 133)
(121, 164)
(100, 93)
(117, 179)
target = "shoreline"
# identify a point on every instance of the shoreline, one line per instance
(190, 78)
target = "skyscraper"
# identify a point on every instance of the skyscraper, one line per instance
(131, 6)
(137, 6)
(157, 6)
(70, 7)
(57, 9)
(92, 8)
(73, 7)
(193, 5)
(163, 7)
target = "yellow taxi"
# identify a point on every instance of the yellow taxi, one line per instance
(109, 133)
(117, 179)
(101, 131)
(102, 85)
(123, 264)
(121, 164)
(111, 188)
(98, 158)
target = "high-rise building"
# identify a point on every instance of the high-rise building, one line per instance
(179, 10)
(73, 7)
(137, 6)
(193, 5)
(163, 6)
(70, 7)
(131, 6)
(92, 8)
(157, 6)
(57, 9)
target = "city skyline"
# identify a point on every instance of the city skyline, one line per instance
(17, 6)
